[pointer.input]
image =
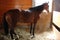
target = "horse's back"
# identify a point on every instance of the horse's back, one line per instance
(26, 16)
(13, 16)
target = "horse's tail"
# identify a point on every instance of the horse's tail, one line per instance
(5, 24)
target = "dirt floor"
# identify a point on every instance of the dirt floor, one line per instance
(24, 35)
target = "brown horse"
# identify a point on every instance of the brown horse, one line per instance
(11, 17)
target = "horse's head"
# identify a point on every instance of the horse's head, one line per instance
(40, 8)
(46, 6)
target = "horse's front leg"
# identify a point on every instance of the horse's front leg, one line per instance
(33, 30)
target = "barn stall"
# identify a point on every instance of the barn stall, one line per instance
(42, 31)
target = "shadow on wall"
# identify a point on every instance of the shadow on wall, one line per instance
(44, 22)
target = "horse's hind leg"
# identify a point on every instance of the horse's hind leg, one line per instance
(16, 34)
(11, 33)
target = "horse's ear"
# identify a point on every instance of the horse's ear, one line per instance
(48, 2)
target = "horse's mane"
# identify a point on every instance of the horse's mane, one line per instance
(37, 8)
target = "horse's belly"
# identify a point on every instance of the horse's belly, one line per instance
(26, 20)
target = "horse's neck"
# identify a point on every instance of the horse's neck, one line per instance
(47, 10)
(39, 12)
(36, 15)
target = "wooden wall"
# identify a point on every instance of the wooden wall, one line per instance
(10, 4)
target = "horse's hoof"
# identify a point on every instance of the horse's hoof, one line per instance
(13, 39)
(16, 39)
(17, 36)
(32, 36)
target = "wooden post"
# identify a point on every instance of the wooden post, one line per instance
(52, 14)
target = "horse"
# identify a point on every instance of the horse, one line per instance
(12, 16)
